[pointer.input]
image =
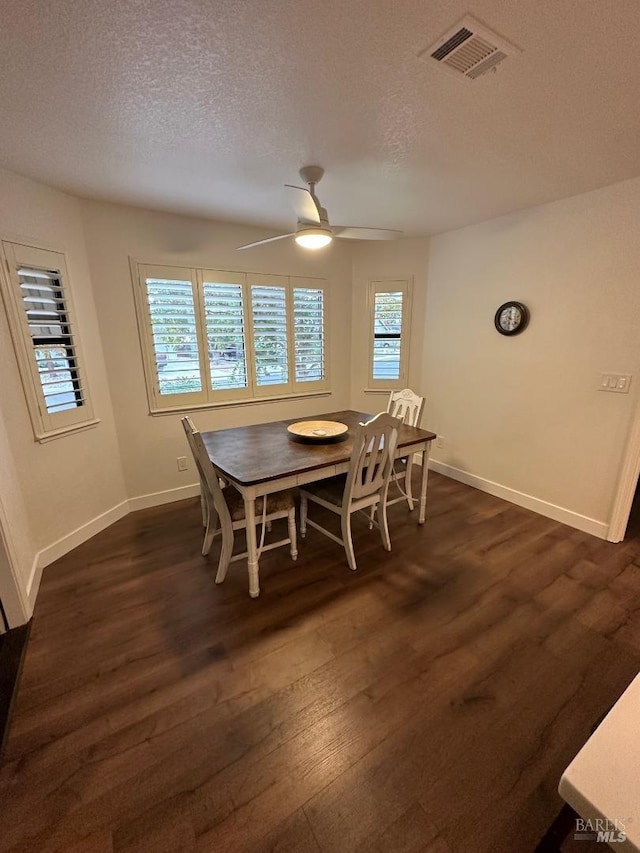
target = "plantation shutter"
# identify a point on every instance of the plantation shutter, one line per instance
(270, 322)
(52, 339)
(389, 340)
(43, 327)
(309, 334)
(170, 321)
(212, 336)
(226, 333)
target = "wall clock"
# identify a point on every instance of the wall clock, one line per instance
(511, 318)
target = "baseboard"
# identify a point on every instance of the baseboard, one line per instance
(167, 496)
(67, 543)
(70, 541)
(549, 510)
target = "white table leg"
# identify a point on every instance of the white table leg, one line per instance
(252, 546)
(423, 483)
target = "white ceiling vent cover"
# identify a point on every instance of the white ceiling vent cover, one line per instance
(468, 50)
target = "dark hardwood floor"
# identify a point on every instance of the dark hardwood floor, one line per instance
(13, 645)
(427, 703)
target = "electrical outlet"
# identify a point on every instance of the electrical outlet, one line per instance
(182, 463)
(440, 441)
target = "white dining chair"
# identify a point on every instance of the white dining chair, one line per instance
(409, 407)
(225, 512)
(364, 487)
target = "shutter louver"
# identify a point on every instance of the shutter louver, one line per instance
(224, 314)
(308, 321)
(52, 339)
(269, 311)
(172, 320)
(387, 335)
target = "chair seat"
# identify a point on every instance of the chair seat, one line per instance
(277, 502)
(330, 490)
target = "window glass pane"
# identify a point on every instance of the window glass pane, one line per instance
(308, 320)
(173, 328)
(387, 333)
(224, 312)
(52, 338)
(268, 305)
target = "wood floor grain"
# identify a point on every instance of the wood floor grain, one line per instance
(426, 703)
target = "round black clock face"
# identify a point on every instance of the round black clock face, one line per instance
(511, 318)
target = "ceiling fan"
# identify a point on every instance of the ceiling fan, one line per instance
(313, 230)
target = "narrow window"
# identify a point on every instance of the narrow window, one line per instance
(51, 339)
(41, 318)
(390, 312)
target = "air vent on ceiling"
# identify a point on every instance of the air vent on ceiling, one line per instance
(468, 50)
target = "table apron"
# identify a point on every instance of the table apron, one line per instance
(290, 481)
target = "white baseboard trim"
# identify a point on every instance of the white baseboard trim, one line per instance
(33, 585)
(70, 541)
(167, 496)
(549, 510)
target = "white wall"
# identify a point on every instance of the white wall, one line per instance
(525, 412)
(150, 444)
(17, 549)
(401, 259)
(71, 480)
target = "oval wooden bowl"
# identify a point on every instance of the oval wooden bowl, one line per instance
(318, 432)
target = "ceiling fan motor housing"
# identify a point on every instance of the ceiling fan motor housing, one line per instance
(311, 174)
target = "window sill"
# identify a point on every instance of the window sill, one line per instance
(233, 403)
(44, 437)
(381, 390)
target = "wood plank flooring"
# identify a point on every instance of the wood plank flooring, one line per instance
(12, 648)
(426, 703)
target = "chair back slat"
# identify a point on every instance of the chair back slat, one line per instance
(406, 405)
(372, 457)
(208, 475)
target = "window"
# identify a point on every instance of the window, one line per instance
(211, 336)
(41, 319)
(390, 312)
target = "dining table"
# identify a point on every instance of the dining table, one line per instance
(263, 458)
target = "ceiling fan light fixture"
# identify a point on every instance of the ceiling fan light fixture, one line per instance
(314, 238)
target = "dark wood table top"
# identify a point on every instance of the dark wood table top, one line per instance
(261, 452)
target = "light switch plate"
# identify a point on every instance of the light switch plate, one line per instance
(617, 382)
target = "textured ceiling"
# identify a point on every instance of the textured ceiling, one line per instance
(209, 106)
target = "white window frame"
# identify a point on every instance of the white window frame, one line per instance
(46, 425)
(390, 285)
(209, 397)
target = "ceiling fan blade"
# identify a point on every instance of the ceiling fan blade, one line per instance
(304, 204)
(352, 233)
(262, 242)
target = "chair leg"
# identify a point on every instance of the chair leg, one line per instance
(407, 483)
(382, 522)
(303, 515)
(292, 533)
(225, 556)
(211, 527)
(372, 512)
(346, 539)
(205, 508)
